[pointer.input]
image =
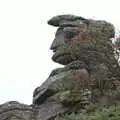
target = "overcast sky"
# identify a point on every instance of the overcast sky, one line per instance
(25, 38)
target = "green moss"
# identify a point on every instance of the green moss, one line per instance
(101, 113)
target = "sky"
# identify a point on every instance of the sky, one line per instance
(25, 39)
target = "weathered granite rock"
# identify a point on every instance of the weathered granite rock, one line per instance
(77, 79)
(48, 110)
(91, 70)
(84, 37)
(90, 75)
(117, 44)
(16, 111)
(66, 20)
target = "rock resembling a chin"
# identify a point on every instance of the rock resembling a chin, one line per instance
(62, 58)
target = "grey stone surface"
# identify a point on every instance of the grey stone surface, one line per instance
(66, 20)
(15, 111)
(90, 74)
(81, 46)
(49, 110)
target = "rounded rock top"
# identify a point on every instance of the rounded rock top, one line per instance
(59, 19)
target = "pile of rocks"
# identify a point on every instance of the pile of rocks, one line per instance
(90, 74)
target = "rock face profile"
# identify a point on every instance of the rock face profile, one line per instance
(90, 75)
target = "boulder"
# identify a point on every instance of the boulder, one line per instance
(90, 75)
(16, 111)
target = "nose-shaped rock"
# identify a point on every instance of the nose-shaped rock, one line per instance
(54, 45)
(59, 40)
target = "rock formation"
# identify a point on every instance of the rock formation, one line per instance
(16, 111)
(90, 74)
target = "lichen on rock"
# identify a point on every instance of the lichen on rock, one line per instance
(90, 75)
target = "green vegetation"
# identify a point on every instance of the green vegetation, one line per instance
(101, 113)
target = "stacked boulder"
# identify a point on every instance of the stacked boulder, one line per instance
(90, 74)
(84, 46)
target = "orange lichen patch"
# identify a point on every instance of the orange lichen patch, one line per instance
(82, 28)
(83, 34)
